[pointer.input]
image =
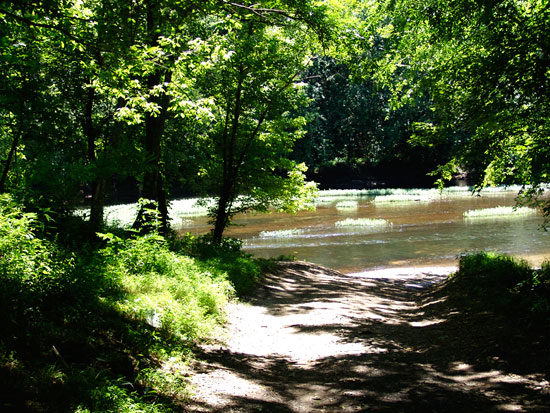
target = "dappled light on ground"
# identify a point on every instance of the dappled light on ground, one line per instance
(311, 339)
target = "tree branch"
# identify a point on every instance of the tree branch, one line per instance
(55, 27)
(262, 119)
(261, 11)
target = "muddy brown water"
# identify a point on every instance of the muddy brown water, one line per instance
(420, 234)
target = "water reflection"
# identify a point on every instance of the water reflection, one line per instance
(422, 233)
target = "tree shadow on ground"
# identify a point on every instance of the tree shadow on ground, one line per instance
(420, 353)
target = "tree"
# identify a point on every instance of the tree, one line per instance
(104, 67)
(28, 97)
(169, 30)
(353, 130)
(66, 55)
(251, 79)
(105, 92)
(18, 80)
(485, 64)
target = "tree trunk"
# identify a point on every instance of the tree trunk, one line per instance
(153, 186)
(13, 149)
(97, 205)
(98, 184)
(9, 160)
(222, 215)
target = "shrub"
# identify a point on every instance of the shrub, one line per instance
(537, 290)
(507, 283)
(94, 331)
(493, 271)
(242, 270)
(166, 290)
(34, 273)
(543, 278)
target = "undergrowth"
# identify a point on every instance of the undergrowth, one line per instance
(108, 326)
(241, 269)
(505, 284)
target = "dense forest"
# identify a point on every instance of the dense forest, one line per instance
(253, 104)
(105, 102)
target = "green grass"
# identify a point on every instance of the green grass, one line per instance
(166, 290)
(331, 195)
(499, 212)
(122, 215)
(361, 222)
(188, 207)
(108, 327)
(283, 233)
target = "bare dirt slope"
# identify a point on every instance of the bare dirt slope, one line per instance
(311, 339)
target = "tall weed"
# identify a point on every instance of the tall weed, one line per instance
(241, 269)
(34, 273)
(166, 290)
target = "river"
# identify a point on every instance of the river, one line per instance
(419, 233)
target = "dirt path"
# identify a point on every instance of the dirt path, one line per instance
(314, 340)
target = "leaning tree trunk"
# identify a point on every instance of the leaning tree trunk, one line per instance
(13, 150)
(9, 160)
